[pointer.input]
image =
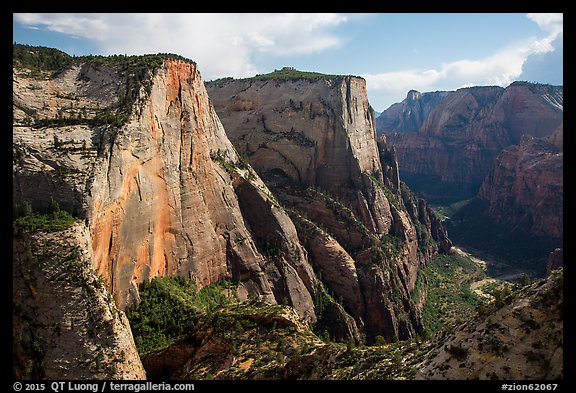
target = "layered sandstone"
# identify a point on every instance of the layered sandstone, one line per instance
(525, 188)
(313, 141)
(447, 142)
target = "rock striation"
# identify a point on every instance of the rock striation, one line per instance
(447, 142)
(525, 188)
(66, 324)
(312, 139)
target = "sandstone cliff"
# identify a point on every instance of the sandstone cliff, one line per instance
(173, 198)
(65, 323)
(459, 134)
(139, 152)
(518, 212)
(525, 188)
(312, 140)
(133, 147)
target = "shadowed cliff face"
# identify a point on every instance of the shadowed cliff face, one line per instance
(518, 212)
(447, 142)
(410, 114)
(317, 133)
(313, 142)
(161, 192)
(525, 189)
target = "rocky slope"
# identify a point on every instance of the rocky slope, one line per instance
(311, 137)
(519, 339)
(555, 261)
(447, 142)
(65, 323)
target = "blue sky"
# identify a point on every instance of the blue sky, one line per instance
(393, 52)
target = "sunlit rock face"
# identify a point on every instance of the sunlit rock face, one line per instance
(313, 142)
(155, 192)
(447, 142)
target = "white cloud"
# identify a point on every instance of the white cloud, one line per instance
(221, 44)
(552, 23)
(76, 25)
(500, 68)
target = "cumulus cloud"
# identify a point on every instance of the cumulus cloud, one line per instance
(500, 68)
(221, 44)
(547, 65)
(552, 23)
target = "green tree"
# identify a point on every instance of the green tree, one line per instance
(524, 280)
(24, 209)
(54, 207)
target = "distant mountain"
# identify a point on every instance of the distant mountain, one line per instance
(499, 148)
(410, 114)
(447, 142)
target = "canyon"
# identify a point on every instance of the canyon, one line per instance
(133, 148)
(278, 184)
(448, 141)
(497, 154)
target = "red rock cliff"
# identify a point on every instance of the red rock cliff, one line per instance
(459, 134)
(313, 141)
(526, 187)
(168, 201)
